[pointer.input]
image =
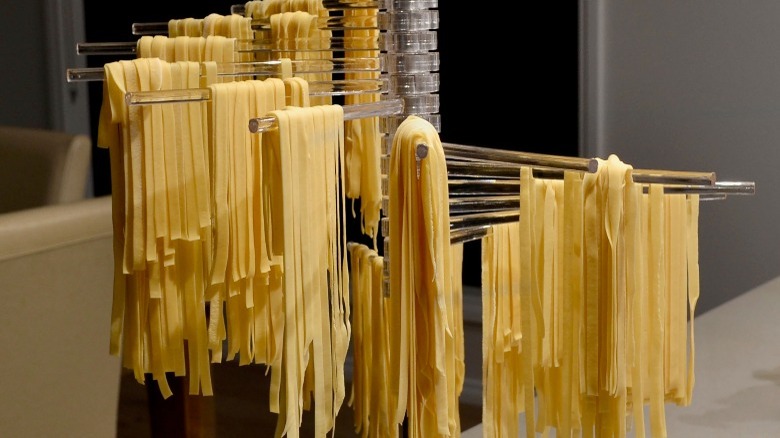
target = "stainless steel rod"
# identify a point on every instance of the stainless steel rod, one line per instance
(648, 176)
(471, 168)
(258, 68)
(351, 112)
(524, 158)
(483, 204)
(479, 219)
(719, 188)
(468, 234)
(487, 187)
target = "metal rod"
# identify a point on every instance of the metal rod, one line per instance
(331, 44)
(477, 232)
(469, 227)
(466, 212)
(469, 234)
(727, 188)
(524, 158)
(672, 177)
(316, 88)
(479, 219)
(475, 205)
(471, 169)
(456, 237)
(489, 203)
(488, 196)
(341, 5)
(260, 68)
(483, 187)
(168, 96)
(116, 48)
(487, 187)
(477, 169)
(712, 197)
(382, 108)
(324, 23)
(89, 74)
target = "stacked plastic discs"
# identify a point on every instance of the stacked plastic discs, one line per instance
(409, 44)
(410, 61)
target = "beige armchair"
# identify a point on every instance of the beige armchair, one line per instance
(42, 167)
(56, 272)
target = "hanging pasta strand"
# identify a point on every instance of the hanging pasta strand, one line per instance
(636, 308)
(216, 48)
(656, 310)
(297, 36)
(502, 376)
(677, 300)
(692, 234)
(607, 276)
(152, 228)
(382, 399)
(310, 235)
(363, 137)
(371, 394)
(457, 317)
(571, 315)
(421, 285)
(198, 255)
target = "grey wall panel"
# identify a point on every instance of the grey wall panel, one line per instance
(38, 45)
(695, 85)
(23, 75)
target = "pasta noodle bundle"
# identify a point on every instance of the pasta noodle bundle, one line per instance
(161, 215)
(372, 399)
(586, 306)
(308, 145)
(363, 137)
(427, 347)
(203, 217)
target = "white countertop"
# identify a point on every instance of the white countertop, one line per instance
(737, 391)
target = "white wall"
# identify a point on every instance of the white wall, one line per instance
(694, 85)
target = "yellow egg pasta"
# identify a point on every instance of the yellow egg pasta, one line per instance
(608, 279)
(421, 292)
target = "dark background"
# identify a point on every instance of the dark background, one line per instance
(509, 78)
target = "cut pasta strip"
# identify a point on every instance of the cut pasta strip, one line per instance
(363, 137)
(607, 276)
(692, 231)
(501, 403)
(308, 261)
(421, 284)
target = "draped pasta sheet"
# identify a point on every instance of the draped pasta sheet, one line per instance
(162, 225)
(501, 367)
(226, 240)
(586, 306)
(266, 8)
(363, 137)
(372, 399)
(308, 150)
(215, 48)
(231, 26)
(425, 347)
(297, 35)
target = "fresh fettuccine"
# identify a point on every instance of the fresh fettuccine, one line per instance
(607, 277)
(421, 303)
